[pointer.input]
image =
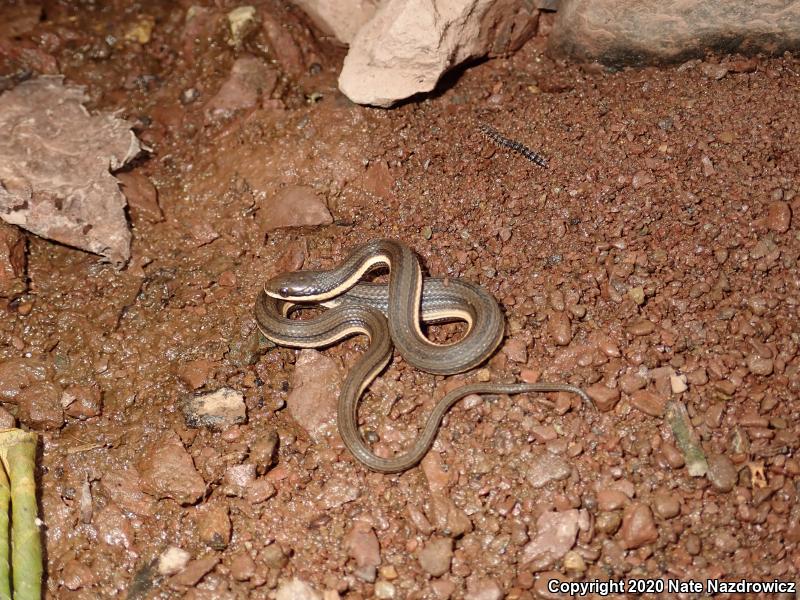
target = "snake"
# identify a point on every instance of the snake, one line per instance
(390, 315)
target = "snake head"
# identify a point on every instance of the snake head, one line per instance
(299, 285)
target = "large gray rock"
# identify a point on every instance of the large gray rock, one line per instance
(409, 44)
(630, 32)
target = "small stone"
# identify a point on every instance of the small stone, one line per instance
(630, 382)
(713, 70)
(649, 403)
(678, 383)
(708, 166)
(250, 78)
(82, 401)
(604, 397)
(263, 451)
(760, 366)
(573, 562)
(608, 522)
(638, 527)
(124, 487)
(315, 390)
(293, 206)
(13, 260)
(7, 420)
(427, 232)
(195, 373)
(238, 477)
(40, 406)
(388, 572)
(721, 472)
(259, 491)
(436, 556)
(666, 505)
(217, 410)
(483, 589)
(242, 566)
(273, 557)
(195, 571)
(641, 179)
(142, 197)
(362, 546)
(546, 467)
(338, 491)
(447, 518)
(241, 22)
(167, 471)
(556, 533)
(516, 350)
(779, 216)
(674, 457)
(173, 560)
(637, 295)
(214, 526)
(384, 590)
(560, 328)
(641, 327)
(76, 575)
(611, 499)
(725, 541)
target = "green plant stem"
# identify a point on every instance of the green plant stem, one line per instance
(5, 566)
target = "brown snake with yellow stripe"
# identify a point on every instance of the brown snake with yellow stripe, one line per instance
(406, 301)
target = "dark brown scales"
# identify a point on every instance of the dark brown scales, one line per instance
(495, 136)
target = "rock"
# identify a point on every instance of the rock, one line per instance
(559, 327)
(195, 373)
(362, 546)
(195, 570)
(242, 22)
(67, 193)
(273, 557)
(627, 32)
(611, 499)
(214, 525)
(285, 38)
(649, 403)
(338, 491)
(759, 365)
(168, 472)
(604, 397)
(546, 467)
(13, 261)
(75, 575)
(516, 350)
(556, 533)
(721, 472)
(216, 410)
(172, 560)
(385, 590)
(18, 373)
(409, 44)
(436, 556)
(142, 197)
(263, 451)
(7, 420)
(237, 478)
(250, 80)
(259, 491)
(82, 401)
(342, 18)
(124, 487)
(40, 406)
(447, 518)
(666, 505)
(315, 391)
(779, 216)
(638, 527)
(483, 589)
(296, 589)
(113, 527)
(293, 206)
(242, 566)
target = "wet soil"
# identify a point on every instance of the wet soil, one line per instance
(654, 262)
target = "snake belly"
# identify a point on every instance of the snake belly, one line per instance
(389, 314)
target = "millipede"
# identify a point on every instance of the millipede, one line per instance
(514, 145)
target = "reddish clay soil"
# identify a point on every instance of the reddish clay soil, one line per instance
(654, 261)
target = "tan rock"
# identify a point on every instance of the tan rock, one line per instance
(293, 206)
(13, 260)
(342, 18)
(409, 44)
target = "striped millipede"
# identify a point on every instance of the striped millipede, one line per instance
(514, 145)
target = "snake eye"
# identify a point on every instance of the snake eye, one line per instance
(284, 291)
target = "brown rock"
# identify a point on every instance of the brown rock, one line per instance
(627, 32)
(315, 390)
(242, 566)
(546, 467)
(483, 589)
(263, 450)
(560, 328)
(362, 546)
(630, 382)
(779, 216)
(447, 518)
(721, 472)
(18, 373)
(649, 403)
(167, 471)
(13, 260)
(611, 499)
(296, 589)
(436, 556)
(638, 527)
(341, 19)
(195, 373)
(250, 79)
(214, 525)
(7, 420)
(556, 534)
(338, 491)
(40, 406)
(124, 487)
(641, 327)
(142, 197)
(113, 527)
(260, 491)
(666, 505)
(293, 206)
(76, 575)
(604, 397)
(195, 571)
(516, 350)
(82, 401)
